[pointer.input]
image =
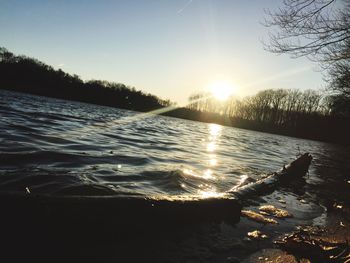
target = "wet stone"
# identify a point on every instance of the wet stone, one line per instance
(270, 255)
(281, 201)
(257, 234)
(258, 217)
(274, 211)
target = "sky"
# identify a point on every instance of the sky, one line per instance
(170, 48)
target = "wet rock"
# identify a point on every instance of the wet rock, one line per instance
(258, 217)
(264, 213)
(281, 201)
(316, 245)
(274, 211)
(257, 234)
(270, 255)
(337, 206)
(303, 201)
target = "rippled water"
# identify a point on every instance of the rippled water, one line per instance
(55, 146)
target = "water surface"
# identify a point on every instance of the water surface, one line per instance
(49, 145)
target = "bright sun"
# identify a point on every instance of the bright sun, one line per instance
(221, 90)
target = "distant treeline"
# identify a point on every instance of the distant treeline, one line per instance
(308, 114)
(24, 74)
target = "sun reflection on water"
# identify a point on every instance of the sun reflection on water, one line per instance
(214, 129)
(212, 160)
(189, 172)
(241, 182)
(208, 174)
(211, 147)
(210, 194)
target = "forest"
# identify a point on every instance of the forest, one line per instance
(25, 74)
(303, 113)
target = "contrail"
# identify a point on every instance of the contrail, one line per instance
(184, 7)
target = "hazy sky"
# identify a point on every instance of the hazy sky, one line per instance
(170, 48)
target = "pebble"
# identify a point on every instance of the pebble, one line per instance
(257, 234)
(270, 255)
(258, 217)
(276, 212)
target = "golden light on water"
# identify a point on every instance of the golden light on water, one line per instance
(214, 129)
(210, 194)
(208, 174)
(212, 160)
(214, 133)
(189, 172)
(211, 147)
(241, 181)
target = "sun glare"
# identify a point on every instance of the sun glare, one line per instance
(221, 90)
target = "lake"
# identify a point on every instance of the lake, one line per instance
(54, 147)
(62, 143)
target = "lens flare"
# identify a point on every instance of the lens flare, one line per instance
(221, 90)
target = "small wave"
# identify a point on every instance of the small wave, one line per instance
(144, 156)
(41, 157)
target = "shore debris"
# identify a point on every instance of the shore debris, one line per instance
(271, 255)
(307, 243)
(337, 206)
(258, 217)
(274, 211)
(282, 201)
(303, 201)
(257, 234)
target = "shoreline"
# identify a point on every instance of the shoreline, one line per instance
(208, 117)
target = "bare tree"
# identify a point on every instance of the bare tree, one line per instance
(339, 78)
(318, 29)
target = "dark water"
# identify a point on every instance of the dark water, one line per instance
(54, 146)
(61, 147)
